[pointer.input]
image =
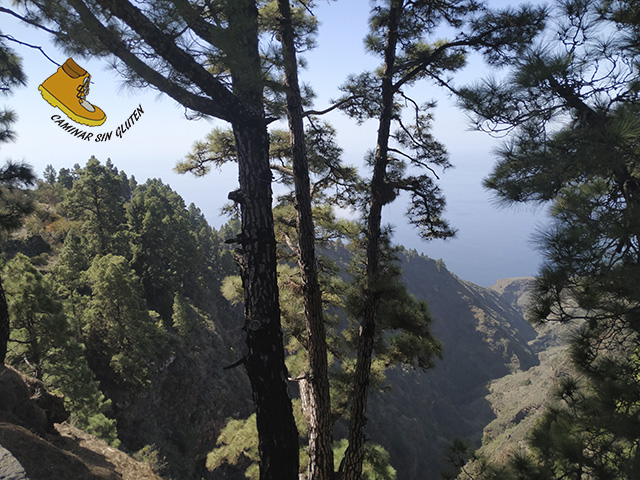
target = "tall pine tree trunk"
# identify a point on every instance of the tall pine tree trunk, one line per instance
(278, 436)
(354, 456)
(277, 432)
(317, 382)
(4, 325)
(181, 75)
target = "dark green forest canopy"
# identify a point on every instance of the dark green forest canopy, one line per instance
(125, 292)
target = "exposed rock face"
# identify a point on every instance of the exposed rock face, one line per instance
(10, 468)
(34, 447)
(25, 401)
(515, 291)
(43, 460)
(93, 451)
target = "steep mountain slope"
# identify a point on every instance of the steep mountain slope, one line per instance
(189, 397)
(168, 261)
(176, 420)
(485, 337)
(518, 400)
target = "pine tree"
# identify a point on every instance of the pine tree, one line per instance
(50, 174)
(315, 386)
(43, 344)
(571, 105)
(213, 263)
(121, 335)
(69, 279)
(399, 34)
(96, 199)
(163, 247)
(219, 147)
(11, 76)
(154, 47)
(14, 203)
(325, 183)
(66, 178)
(38, 323)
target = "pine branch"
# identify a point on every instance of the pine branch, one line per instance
(242, 361)
(117, 47)
(15, 40)
(206, 31)
(427, 60)
(180, 60)
(331, 108)
(30, 22)
(279, 168)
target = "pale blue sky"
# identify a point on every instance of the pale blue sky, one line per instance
(491, 243)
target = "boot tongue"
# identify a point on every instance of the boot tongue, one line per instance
(87, 105)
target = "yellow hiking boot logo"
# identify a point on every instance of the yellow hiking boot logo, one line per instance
(67, 89)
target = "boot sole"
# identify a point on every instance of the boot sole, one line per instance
(54, 102)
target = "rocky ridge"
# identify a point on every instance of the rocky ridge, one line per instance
(34, 446)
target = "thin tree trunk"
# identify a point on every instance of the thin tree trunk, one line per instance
(319, 399)
(277, 432)
(4, 325)
(354, 456)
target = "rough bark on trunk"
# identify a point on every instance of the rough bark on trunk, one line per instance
(4, 325)
(277, 432)
(278, 436)
(354, 456)
(317, 395)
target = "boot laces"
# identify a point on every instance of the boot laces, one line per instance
(83, 89)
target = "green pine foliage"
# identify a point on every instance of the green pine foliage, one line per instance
(132, 283)
(89, 409)
(38, 324)
(158, 218)
(403, 336)
(571, 102)
(182, 317)
(73, 260)
(122, 336)
(15, 198)
(173, 247)
(237, 445)
(43, 344)
(11, 76)
(96, 200)
(238, 442)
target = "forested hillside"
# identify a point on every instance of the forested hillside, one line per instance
(114, 296)
(247, 352)
(114, 292)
